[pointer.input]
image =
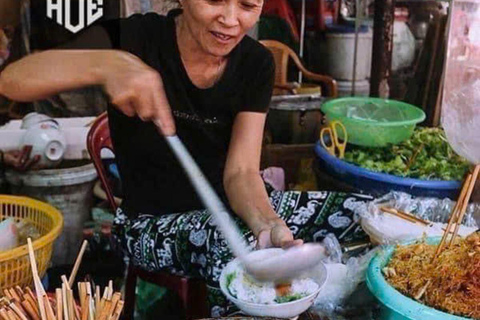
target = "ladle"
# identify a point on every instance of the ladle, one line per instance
(290, 264)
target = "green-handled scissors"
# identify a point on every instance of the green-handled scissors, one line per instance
(335, 144)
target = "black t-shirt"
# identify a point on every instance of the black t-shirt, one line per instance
(153, 181)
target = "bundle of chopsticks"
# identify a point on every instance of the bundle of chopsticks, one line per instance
(458, 212)
(24, 304)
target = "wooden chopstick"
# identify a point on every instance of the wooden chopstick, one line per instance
(78, 261)
(459, 211)
(453, 216)
(404, 215)
(36, 280)
(65, 301)
(59, 302)
(18, 311)
(109, 307)
(118, 311)
(48, 308)
(465, 202)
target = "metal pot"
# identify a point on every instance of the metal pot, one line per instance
(295, 119)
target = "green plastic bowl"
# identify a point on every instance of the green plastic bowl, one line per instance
(393, 304)
(374, 122)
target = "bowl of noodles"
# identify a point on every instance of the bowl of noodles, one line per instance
(267, 299)
(409, 286)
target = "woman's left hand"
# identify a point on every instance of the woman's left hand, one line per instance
(276, 234)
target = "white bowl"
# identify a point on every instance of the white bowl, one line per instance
(281, 310)
(47, 141)
(34, 118)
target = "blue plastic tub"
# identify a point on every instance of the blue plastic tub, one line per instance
(377, 184)
(393, 304)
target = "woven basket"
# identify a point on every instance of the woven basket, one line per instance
(14, 264)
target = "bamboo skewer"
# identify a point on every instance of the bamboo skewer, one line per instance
(78, 261)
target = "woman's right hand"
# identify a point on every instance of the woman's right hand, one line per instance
(137, 90)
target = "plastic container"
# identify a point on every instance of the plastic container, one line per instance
(14, 264)
(70, 191)
(362, 88)
(378, 184)
(374, 122)
(340, 44)
(393, 304)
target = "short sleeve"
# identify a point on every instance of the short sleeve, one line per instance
(258, 91)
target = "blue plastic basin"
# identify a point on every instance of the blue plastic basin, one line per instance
(377, 183)
(394, 305)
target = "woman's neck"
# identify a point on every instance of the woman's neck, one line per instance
(203, 69)
(190, 50)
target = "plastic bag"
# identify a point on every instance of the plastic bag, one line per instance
(8, 234)
(461, 96)
(385, 228)
(342, 280)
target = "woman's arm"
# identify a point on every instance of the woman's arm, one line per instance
(43, 74)
(133, 87)
(244, 186)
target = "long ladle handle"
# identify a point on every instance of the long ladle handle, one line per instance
(209, 198)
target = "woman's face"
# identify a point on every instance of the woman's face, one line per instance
(218, 25)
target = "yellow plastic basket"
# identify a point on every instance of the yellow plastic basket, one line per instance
(14, 264)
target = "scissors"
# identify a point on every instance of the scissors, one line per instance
(335, 144)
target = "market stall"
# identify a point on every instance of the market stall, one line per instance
(155, 205)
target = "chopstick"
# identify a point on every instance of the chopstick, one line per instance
(36, 280)
(77, 263)
(458, 212)
(405, 216)
(23, 304)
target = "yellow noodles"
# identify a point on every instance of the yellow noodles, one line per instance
(451, 283)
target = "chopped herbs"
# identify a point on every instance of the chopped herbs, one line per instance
(289, 298)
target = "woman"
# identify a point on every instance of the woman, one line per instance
(194, 73)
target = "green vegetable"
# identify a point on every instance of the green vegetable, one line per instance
(289, 298)
(426, 155)
(230, 278)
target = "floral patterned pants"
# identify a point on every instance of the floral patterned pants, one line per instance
(189, 243)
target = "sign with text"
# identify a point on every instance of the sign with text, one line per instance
(63, 12)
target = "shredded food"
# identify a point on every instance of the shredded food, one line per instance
(451, 283)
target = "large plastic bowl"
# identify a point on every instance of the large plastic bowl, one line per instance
(374, 122)
(378, 184)
(393, 304)
(282, 310)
